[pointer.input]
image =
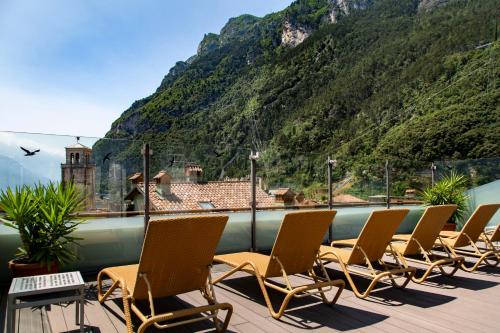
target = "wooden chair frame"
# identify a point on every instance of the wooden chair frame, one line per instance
(295, 251)
(417, 246)
(482, 254)
(208, 312)
(390, 272)
(432, 260)
(454, 243)
(189, 244)
(289, 291)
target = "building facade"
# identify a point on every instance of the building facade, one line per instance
(80, 169)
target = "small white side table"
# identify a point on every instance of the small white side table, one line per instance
(52, 289)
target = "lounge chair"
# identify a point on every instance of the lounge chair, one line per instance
(369, 248)
(295, 250)
(176, 258)
(419, 244)
(455, 242)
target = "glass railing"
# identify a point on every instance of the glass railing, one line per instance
(205, 179)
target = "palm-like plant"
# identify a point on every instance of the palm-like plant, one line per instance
(449, 190)
(43, 217)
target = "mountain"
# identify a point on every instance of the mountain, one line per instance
(14, 174)
(362, 81)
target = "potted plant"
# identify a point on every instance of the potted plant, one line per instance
(449, 190)
(43, 215)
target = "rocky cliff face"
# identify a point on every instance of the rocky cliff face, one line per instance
(294, 34)
(426, 5)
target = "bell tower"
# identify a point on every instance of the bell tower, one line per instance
(80, 169)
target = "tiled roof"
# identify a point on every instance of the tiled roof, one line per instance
(225, 195)
(136, 176)
(347, 198)
(283, 191)
(77, 145)
(193, 167)
(160, 174)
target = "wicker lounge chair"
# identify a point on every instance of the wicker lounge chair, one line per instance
(176, 258)
(369, 248)
(419, 244)
(456, 242)
(295, 251)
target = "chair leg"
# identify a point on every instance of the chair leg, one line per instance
(126, 308)
(155, 320)
(100, 296)
(484, 257)
(125, 297)
(409, 272)
(289, 295)
(341, 287)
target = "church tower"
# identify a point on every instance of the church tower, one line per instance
(80, 169)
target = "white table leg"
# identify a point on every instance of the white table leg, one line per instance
(11, 315)
(82, 309)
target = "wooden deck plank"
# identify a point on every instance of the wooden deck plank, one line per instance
(467, 302)
(56, 319)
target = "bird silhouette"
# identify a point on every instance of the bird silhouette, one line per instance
(106, 157)
(172, 161)
(29, 153)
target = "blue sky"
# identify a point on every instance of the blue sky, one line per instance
(72, 67)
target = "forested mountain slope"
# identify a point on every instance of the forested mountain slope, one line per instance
(361, 80)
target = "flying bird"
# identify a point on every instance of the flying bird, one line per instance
(106, 157)
(29, 153)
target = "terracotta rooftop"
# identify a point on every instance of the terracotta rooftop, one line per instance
(160, 174)
(193, 167)
(347, 198)
(221, 194)
(136, 176)
(283, 191)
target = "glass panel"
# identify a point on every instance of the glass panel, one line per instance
(359, 185)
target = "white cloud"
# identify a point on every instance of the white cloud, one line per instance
(14, 141)
(54, 112)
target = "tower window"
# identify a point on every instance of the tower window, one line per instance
(77, 158)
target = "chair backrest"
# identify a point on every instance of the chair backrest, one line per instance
(428, 227)
(298, 241)
(376, 235)
(176, 254)
(476, 224)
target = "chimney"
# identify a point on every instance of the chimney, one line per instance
(193, 172)
(136, 178)
(163, 181)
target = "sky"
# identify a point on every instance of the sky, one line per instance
(72, 67)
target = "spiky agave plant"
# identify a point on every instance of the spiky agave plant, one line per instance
(43, 215)
(449, 190)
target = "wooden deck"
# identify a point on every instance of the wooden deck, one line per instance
(466, 302)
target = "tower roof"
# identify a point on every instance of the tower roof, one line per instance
(77, 145)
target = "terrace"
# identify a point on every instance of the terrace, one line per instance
(116, 217)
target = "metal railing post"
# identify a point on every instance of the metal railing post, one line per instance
(253, 177)
(331, 164)
(146, 156)
(433, 174)
(387, 185)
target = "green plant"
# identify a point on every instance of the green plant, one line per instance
(449, 190)
(43, 215)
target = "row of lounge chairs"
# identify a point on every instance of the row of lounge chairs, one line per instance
(178, 253)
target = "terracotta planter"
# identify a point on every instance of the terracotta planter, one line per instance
(450, 227)
(30, 269)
